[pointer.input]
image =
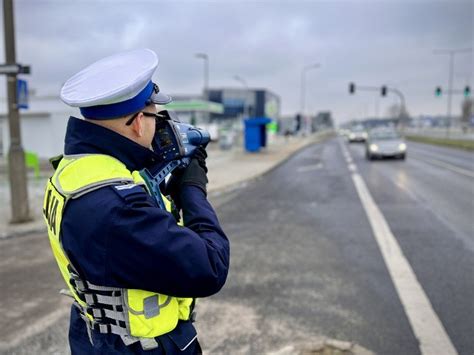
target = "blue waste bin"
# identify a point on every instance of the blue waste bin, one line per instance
(256, 133)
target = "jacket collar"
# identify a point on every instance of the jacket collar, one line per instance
(83, 137)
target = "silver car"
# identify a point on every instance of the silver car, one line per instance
(384, 144)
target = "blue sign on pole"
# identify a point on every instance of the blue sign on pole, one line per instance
(22, 93)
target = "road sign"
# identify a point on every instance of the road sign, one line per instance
(22, 94)
(14, 69)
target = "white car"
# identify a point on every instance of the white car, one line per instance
(357, 134)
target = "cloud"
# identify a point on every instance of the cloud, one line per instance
(266, 42)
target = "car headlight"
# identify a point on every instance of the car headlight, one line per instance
(373, 147)
(402, 146)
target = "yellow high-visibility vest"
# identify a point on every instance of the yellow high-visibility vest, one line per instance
(138, 313)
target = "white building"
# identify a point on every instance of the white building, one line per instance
(43, 126)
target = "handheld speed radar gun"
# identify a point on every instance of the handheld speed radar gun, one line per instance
(175, 142)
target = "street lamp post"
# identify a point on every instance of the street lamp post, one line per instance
(244, 83)
(451, 53)
(303, 87)
(205, 57)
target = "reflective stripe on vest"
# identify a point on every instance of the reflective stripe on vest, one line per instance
(140, 313)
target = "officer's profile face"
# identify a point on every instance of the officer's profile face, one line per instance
(148, 126)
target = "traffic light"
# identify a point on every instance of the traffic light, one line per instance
(438, 91)
(383, 91)
(352, 88)
(298, 122)
(467, 91)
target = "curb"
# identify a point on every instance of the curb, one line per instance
(212, 193)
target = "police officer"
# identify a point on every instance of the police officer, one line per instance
(133, 271)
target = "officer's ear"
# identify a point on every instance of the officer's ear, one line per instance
(138, 125)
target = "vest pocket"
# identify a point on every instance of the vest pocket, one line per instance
(151, 314)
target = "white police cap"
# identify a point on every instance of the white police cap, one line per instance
(115, 86)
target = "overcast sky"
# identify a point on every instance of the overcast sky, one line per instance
(265, 42)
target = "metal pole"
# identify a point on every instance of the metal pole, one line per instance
(401, 113)
(402, 99)
(450, 88)
(303, 88)
(206, 74)
(205, 57)
(16, 155)
(244, 83)
(302, 91)
(452, 53)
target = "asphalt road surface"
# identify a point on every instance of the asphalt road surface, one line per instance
(305, 260)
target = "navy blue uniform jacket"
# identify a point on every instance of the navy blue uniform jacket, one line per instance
(130, 243)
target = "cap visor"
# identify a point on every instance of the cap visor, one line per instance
(160, 98)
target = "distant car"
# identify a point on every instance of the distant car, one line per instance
(385, 144)
(343, 132)
(357, 134)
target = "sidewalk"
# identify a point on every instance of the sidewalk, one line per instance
(227, 170)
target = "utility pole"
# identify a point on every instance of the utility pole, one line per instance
(451, 53)
(247, 92)
(303, 91)
(16, 155)
(303, 84)
(205, 57)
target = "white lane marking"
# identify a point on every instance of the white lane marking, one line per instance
(352, 168)
(442, 164)
(309, 168)
(423, 319)
(346, 154)
(425, 323)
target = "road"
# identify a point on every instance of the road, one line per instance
(428, 202)
(305, 262)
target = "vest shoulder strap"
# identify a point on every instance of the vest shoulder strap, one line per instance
(77, 175)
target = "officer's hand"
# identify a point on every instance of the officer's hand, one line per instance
(193, 174)
(200, 155)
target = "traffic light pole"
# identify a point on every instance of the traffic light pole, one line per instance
(384, 89)
(450, 91)
(452, 53)
(16, 155)
(402, 102)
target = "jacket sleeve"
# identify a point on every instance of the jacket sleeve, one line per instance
(147, 250)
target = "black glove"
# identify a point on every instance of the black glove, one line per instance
(200, 155)
(194, 174)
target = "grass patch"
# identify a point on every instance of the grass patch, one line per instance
(453, 143)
